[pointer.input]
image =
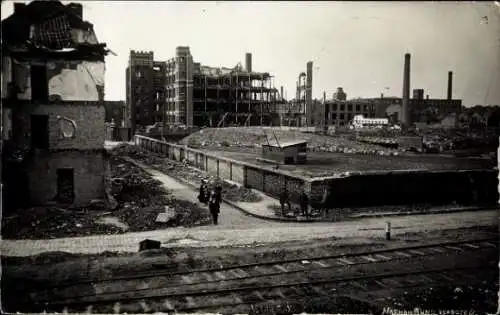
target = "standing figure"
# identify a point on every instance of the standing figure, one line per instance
(285, 200)
(203, 193)
(214, 203)
(304, 203)
(324, 202)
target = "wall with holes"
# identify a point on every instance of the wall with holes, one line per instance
(89, 119)
(67, 80)
(88, 170)
(76, 80)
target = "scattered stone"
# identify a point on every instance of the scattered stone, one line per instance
(114, 221)
(166, 216)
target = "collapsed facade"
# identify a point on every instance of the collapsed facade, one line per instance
(53, 106)
(196, 95)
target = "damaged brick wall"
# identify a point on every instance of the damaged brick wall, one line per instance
(89, 120)
(76, 80)
(88, 167)
(67, 80)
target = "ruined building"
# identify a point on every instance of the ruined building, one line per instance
(196, 95)
(52, 99)
(145, 89)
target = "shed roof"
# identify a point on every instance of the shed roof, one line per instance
(284, 143)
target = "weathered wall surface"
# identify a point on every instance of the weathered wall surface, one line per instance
(6, 74)
(84, 36)
(76, 80)
(462, 187)
(6, 123)
(90, 132)
(88, 176)
(21, 73)
(67, 80)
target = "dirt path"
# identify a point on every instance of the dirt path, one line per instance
(230, 217)
(215, 236)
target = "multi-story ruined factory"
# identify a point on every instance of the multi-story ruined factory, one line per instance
(183, 92)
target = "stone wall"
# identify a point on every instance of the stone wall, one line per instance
(462, 187)
(88, 169)
(402, 187)
(89, 119)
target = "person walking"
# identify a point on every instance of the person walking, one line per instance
(304, 203)
(214, 203)
(285, 200)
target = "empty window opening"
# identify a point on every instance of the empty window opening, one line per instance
(65, 185)
(39, 131)
(39, 83)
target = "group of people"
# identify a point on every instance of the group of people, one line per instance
(303, 202)
(212, 197)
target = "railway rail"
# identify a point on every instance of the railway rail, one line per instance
(190, 290)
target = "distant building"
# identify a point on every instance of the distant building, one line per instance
(53, 91)
(361, 122)
(116, 111)
(145, 90)
(340, 113)
(196, 95)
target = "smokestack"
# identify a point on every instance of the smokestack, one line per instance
(427, 96)
(309, 110)
(248, 62)
(450, 84)
(381, 95)
(406, 91)
(281, 94)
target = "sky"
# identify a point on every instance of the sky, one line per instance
(359, 46)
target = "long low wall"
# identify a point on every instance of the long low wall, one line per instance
(376, 188)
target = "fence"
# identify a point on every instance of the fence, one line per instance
(362, 189)
(265, 179)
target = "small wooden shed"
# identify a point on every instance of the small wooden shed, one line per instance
(290, 152)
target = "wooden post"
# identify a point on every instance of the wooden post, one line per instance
(230, 171)
(388, 230)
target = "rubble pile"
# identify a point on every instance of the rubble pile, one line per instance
(255, 136)
(53, 222)
(140, 200)
(143, 198)
(385, 142)
(183, 171)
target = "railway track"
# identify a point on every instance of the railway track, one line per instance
(190, 290)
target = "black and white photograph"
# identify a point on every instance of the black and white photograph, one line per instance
(250, 157)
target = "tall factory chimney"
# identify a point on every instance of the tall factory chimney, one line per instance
(248, 62)
(281, 93)
(405, 111)
(309, 79)
(450, 85)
